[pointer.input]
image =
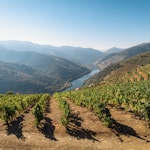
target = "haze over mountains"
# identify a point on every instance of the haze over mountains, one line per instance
(79, 55)
(40, 78)
(126, 53)
(39, 72)
(33, 68)
(114, 50)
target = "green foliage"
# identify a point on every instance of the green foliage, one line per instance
(64, 107)
(38, 113)
(103, 113)
(13, 105)
(90, 99)
(146, 113)
(7, 113)
(38, 109)
(131, 96)
(10, 92)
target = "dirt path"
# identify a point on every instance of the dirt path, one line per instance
(130, 120)
(52, 118)
(84, 132)
(127, 124)
(84, 124)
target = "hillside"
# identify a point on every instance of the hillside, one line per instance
(45, 73)
(114, 50)
(131, 70)
(127, 53)
(83, 56)
(118, 70)
(112, 115)
(24, 79)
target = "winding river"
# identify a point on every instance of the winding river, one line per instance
(78, 82)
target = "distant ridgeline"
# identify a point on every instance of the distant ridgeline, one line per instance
(83, 56)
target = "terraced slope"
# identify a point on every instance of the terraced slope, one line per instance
(140, 73)
(125, 71)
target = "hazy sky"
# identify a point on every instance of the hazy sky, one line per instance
(99, 24)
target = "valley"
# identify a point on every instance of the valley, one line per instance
(79, 82)
(32, 72)
(74, 75)
(110, 111)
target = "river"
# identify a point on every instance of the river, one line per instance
(78, 82)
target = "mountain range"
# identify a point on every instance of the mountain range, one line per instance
(126, 53)
(32, 72)
(114, 50)
(33, 68)
(82, 56)
(112, 65)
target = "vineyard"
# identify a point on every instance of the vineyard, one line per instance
(83, 118)
(12, 105)
(101, 100)
(138, 74)
(131, 97)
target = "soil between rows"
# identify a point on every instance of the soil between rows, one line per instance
(84, 131)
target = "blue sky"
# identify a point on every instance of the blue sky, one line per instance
(99, 24)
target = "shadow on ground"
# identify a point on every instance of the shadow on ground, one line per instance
(75, 129)
(120, 129)
(15, 127)
(47, 129)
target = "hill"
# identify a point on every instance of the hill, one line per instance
(82, 56)
(127, 53)
(47, 72)
(23, 79)
(116, 71)
(131, 70)
(114, 50)
(112, 115)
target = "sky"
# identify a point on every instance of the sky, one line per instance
(99, 24)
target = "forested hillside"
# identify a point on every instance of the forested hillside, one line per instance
(31, 72)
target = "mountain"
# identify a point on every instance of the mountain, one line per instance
(114, 50)
(83, 56)
(52, 72)
(124, 71)
(127, 53)
(22, 79)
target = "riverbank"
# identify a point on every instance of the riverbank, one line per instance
(68, 84)
(79, 82)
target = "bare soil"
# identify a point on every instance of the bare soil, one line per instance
(85, 131)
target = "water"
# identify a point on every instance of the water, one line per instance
(78, 82)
